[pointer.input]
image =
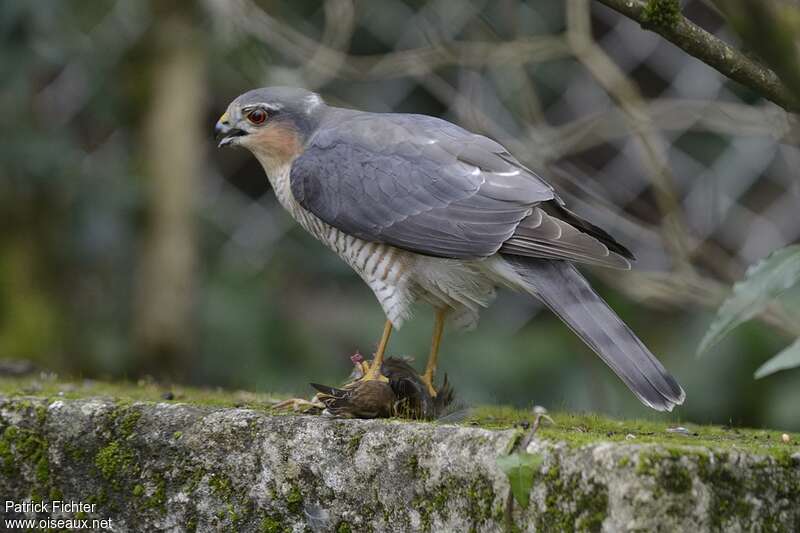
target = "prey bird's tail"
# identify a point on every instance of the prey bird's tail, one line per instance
(567, 293)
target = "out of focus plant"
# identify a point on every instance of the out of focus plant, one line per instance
(764, 284)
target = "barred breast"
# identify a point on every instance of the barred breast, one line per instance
(397, 277)
(386, 269)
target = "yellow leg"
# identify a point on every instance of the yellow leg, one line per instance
(433, 358)
(374, 372)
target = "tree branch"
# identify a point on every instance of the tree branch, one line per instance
(666, 20)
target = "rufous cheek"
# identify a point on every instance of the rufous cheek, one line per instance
(276, 141)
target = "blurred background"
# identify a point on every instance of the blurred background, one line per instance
(130, 246)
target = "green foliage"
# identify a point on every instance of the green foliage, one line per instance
(788, 358)
(521, 470)
(764, 281)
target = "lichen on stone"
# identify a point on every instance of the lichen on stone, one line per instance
(160, 466)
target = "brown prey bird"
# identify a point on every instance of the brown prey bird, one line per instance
(424, 210)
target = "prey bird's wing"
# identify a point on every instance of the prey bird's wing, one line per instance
(426, 185)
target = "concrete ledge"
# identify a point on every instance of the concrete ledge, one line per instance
(153, 466)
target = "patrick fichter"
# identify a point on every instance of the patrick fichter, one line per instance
(56, 506)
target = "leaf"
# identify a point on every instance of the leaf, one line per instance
(788, 358)
(763, 282)
(521, 469)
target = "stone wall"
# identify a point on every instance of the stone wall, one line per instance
(165, 466)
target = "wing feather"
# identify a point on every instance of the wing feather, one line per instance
(426, 185)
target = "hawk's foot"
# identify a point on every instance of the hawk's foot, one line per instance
(427, 380)
(369, 370)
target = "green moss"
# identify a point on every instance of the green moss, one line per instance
(128, 423)
(100, 497)
(294, 500)
(236, 507)
(662, 13)
(192, 479)
(7, 463)
(354, 443)
(270, 525)
(675, 477)
(10, 433)
(667, 469)
(480, 494)
(417, 470)
(575, 429)
(24, 451)
(581, 429)
(115, 462)
(576, 502)
(233, 515)
(41, 414)
(570, 504)
(127, 392)
(728, 495)
(43, 469)
(343, 527)
(75, 451)
(159, 497)
(645, 465)
(55, 494)
(221, 486)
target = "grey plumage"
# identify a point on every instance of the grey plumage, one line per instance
(429, 186)
(415, 182)
(424, 210)
(562, 288)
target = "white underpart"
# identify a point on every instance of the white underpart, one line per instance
(312, 101)
(398, 277)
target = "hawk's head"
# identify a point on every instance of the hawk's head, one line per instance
(273, 122)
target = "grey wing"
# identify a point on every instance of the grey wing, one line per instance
(426, 185)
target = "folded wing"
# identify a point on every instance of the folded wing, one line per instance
(428, 186)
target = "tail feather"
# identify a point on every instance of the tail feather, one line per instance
(567, 293)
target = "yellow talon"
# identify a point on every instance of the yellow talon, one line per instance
(433, 358)
(373, 370)
(428, 381)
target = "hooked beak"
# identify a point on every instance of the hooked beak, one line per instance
(225, 133)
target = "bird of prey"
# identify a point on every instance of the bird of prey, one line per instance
(426, 211)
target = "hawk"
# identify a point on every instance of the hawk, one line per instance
(426, 211)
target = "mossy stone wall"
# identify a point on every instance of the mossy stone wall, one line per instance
(178, 467)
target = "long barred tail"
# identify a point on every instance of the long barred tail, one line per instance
(567, 293)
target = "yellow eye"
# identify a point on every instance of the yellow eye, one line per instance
(257, 116)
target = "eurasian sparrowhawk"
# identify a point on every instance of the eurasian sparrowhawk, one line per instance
(424, 210)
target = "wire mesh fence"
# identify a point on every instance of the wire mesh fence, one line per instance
(695, 173)
(638, 131)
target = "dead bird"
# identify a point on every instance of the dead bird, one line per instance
(404, 393)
